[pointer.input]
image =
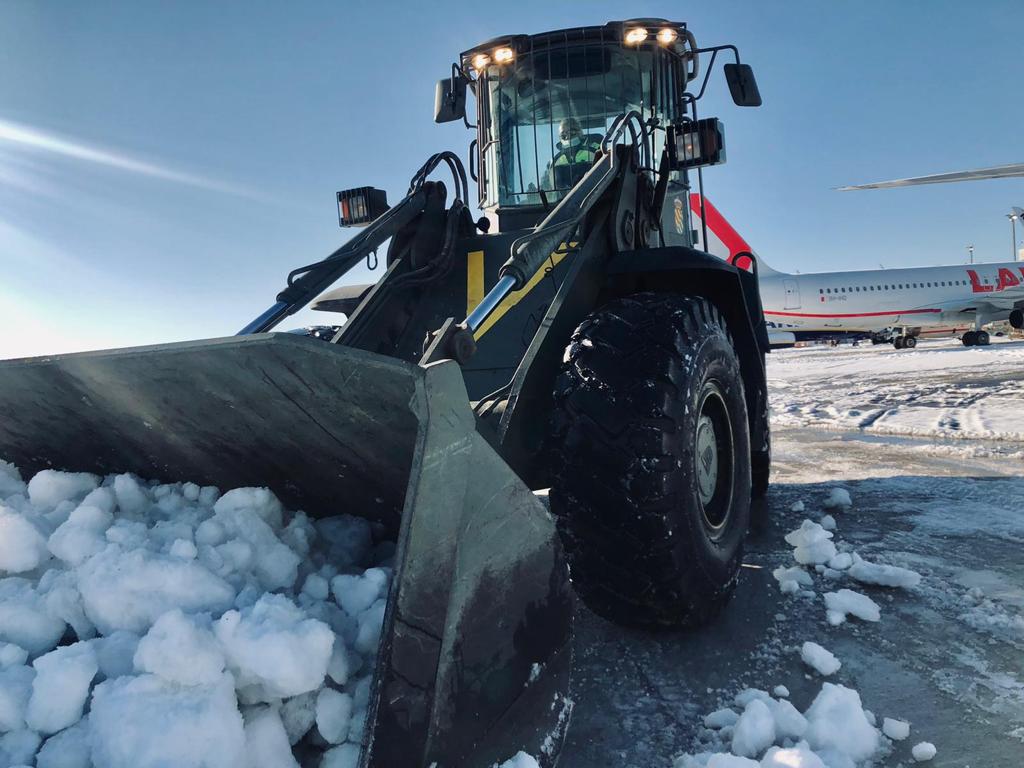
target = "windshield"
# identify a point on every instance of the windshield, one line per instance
(546, 113)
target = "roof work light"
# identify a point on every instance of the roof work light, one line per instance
(358, 207)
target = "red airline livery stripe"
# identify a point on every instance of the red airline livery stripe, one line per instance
(857, 314)
(730, 238)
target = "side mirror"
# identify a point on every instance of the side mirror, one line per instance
(450, 100)
(742, 85)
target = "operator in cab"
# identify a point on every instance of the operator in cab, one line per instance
(576, 153)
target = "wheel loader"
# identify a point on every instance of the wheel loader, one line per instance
(571, 337)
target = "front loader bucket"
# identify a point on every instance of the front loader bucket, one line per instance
(474, 658)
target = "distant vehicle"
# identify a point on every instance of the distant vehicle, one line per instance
(900, 304)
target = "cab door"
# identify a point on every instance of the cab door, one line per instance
(792, 294)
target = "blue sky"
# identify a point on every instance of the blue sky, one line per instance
(163, 165)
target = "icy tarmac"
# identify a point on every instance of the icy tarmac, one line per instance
(929, 444)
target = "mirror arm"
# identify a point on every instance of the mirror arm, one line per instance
(711, 64)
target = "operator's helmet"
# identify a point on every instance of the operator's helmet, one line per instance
(569, 131)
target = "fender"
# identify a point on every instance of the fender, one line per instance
(678, 269)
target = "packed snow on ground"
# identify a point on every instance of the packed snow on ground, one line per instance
(940, 389)
(169, 625)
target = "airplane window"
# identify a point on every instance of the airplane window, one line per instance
(820, 290)
(857, 289)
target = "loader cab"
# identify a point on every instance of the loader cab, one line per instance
(529, 88)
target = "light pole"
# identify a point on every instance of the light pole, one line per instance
(970, 251)
(1013, 235)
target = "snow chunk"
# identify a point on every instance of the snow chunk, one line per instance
(791, 579)
(266, 743)
(781, 691)
(298, 715)
(82, 535)
(10, 480)
(19, 747)
(24, 619)
(812, 543)
(841, 562)
(333, 713)
(22, 547)
(799, 756)
(12, 655)
(184, 549)
(316, 586)
(130, 590)
(754, 732)
(116, 653)
(250, 516)
(371, 622)
(132, 498)
(846, 602)
(721, 718)
(819, 659)
(61, 687)
(68, 749)
(897, 730)
(50, 487)
(838, 498)
(797, 506)
(883, 575)
(356, 594)
(15, 691)
(789, 723)
(273, 648)
(828, 523)
(259, 501)
(145, 722)
(836, 722)
(181, 649)
(924, 751)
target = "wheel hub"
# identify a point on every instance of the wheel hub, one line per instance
(707, 459)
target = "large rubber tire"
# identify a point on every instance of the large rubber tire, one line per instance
(910, 342)
(982, 339)
(651, 386)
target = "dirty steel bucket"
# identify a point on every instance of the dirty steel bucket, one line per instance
(475, 656)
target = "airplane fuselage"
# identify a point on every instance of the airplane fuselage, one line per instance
(872, 300)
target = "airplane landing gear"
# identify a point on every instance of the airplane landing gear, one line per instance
(976, 339)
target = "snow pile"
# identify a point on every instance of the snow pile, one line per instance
(812, 544)
(819, 659)
(838, 498)
(151, 625)
(835, 731)
(839, 605)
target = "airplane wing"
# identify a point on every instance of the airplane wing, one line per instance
(996, 306)
(996, 172)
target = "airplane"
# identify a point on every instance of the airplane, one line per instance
(900, 304)
(1009, 171)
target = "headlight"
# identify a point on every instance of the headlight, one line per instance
(503, 56)
(636, 36)
(480, 61)
(667, 36)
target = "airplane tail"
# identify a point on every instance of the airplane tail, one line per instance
(724, 241)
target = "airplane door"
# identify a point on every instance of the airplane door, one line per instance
(792, 294)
